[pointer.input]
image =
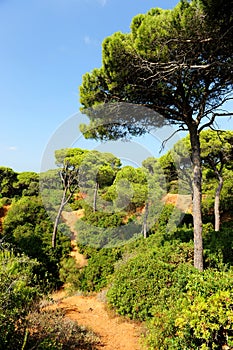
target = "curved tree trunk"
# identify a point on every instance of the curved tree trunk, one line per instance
(217, 204)
(95, 197)
(197, 197)
(144, 225)
(56, 223)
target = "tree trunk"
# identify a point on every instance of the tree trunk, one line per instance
(197, 197)
(56, 223)
(217, 204)
(144, 226)
(95, 197)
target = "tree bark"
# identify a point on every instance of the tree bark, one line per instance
(197, 196)
(56, 223)
(217, 204)
(95, 197)
(144, 226)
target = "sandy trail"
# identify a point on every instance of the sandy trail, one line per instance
(114, 332)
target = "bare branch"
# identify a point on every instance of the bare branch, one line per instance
(166, 140)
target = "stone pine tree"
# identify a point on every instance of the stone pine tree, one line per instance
(178, 63)
(97, 171)
(217, 154)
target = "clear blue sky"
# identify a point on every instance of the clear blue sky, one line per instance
(46, 47)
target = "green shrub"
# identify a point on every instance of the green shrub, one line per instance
(28, 229)
(218, 246)
(18, 292)
(98, 237)
(144, 280)
(200, 317)
(95, 276)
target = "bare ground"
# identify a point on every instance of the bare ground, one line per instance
(114, 332)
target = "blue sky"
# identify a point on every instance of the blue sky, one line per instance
(46, 47)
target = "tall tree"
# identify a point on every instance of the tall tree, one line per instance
(177, 63)
(217, 153)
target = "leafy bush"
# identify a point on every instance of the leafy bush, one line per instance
(102, 219)
(201, 317)
(218, 245)
(144, 280)
(101, 266)
(98, 237)
(28, 228)
(18, 292)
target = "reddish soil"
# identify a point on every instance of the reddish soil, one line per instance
(70, 218)
(182, 202)
(3, 212)
(114, 332)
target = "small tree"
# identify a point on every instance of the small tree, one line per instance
(69, 179)
(98, 170)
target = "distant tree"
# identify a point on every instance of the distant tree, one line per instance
(7, 179)
(217, 154)
(168, 165)
(129, 189)
(98, 170)
(177, 63)
(27, 183)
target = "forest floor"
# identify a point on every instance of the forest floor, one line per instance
(115, 332)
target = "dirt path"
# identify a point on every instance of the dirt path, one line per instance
(70, 218)
(114, 332)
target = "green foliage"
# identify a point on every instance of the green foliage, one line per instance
(96, 275)
(27, 184)
(144, 280)
(200, 318)
(98, 237)
(219, 246)
(69, 273)
(18, 291)
(129, 190)
(72, 156)
(7, 179)
(102, 219)
(28, 228)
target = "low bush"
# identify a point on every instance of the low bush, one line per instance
(18, 292)
(146, 278)
(50, 330)
(95, 276)
(200, 317)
